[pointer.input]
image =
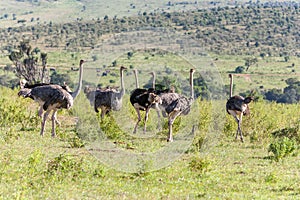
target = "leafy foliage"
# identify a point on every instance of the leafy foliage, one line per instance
(26, 63)
(282, 147)
(239, 69)
(12, 112)
(200, 165)
(290, 94)
(64, 165)
(60, 79)
(292, 133)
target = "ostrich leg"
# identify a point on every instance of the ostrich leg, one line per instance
(103, 111)
(170, 136)
(239, 127)
(54, 121)
(159, 126)
(139, 119)
(172, 117)
(40, 112)
(171, 120)
(146, 118)
(44, 122)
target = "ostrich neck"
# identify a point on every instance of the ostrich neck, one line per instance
(122, 83)
(76, 92)
(231, 85)
(136, 79)
(192, 85)
(153, 80)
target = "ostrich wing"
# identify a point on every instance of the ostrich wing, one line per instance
(60, 98)
(181, 104)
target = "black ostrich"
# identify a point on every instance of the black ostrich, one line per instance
(237, 106)
(143, 100)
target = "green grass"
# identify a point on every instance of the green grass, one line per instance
(59, 168)
(270, 72)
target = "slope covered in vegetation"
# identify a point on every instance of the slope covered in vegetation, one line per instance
(268, 29)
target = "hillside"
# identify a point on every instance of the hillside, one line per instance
(255, 29)
(232, 34)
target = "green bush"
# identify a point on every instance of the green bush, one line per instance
(290, 132)
(199, 164)
(282, 147)
(64, 166)
(14, 113)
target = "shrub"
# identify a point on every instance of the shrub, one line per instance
(282, 147)
(239, 69)
(271, 178)
(63, 166)
(199, 164)
(290, 132)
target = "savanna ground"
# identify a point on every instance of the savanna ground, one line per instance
(35, 167)
(215, 166)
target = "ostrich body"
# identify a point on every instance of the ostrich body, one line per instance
(52, 97)
(237, 106)
(24, 84)
(174, 105)
(91, 92)
(110, 99)
(144, 102)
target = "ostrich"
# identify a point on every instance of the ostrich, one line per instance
(110, 99)
(24, 84)
(52, 97)
(160, 92)
(143, 99)
(237, 106)
(174, 105)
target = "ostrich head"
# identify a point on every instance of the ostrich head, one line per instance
(248, 99)
(154, 98)
(22, 83)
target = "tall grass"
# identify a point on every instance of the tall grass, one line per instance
(214, 166)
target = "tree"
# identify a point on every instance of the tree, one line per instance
(239, 69)
(26, 63)
(286, 58)
(61, 79)
(249, 62)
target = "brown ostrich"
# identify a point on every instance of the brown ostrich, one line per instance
(237, 106)
(52, 97)
(174, 105)
(110, 99)
(24, 84)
